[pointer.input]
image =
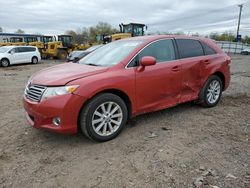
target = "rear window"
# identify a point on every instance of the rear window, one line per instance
(26, 49)
(208, 50)
(189, 48)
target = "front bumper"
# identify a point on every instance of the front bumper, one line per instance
(67, 107)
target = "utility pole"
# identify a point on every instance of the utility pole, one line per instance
(238, 28)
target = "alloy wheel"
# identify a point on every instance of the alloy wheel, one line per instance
(5, 63)
(107, 118)
(213, 91)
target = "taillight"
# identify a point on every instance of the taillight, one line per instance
(228, 61)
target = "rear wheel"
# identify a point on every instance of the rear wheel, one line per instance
(5, 62)
(211, 91)
(104, 117)
(62, 54)
(44, 55)
(34, 60)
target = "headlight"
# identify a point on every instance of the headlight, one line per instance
(54, 91)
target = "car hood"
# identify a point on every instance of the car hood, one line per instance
(64, 73)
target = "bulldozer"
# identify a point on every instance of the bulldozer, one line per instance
(41, 43)
(5, 42)
(17, 41)
(61, 47)
(126, 31)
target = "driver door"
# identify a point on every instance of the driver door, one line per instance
(158, 86)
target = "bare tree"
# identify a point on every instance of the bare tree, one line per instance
(20, 31)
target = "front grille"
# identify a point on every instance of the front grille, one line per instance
(34, 92)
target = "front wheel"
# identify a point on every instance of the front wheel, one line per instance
(211, 91)
(104, 117)
(5, 63)
(62, 54)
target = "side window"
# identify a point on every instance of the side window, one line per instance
(162, 50)
(208, 50)
(21, 49)
(30, 49)
(16, 50)
(189, 48)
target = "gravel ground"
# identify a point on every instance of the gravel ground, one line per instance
(184, 146)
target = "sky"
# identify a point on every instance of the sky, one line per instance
(188, 16)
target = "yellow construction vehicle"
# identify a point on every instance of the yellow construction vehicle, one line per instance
(126, 31)
(5, 43)
(41, 43)
(17, 41)
(61, 47)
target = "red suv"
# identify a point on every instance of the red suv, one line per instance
(125, 78)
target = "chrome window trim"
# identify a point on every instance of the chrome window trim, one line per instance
(126, 67)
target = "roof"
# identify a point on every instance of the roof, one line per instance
(133, 24)
(19, 34)
(17, 46)
(151, 38)
(148, 38)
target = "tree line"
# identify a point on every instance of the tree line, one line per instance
(88, 34)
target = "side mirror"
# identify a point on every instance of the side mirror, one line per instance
(76, 59)
(12, 52)
(147, 61)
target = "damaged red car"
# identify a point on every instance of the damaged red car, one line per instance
(97, 95)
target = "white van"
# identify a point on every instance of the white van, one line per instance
(10, 55)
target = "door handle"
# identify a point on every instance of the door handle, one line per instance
(175, 68)
(206, 61)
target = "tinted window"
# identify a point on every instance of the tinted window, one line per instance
(208, 50)
(30, 49)
(21, 49)
(189, 48)
(26, 49)
(162, 50)
(16, 50)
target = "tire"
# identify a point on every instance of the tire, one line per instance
(211, 92)
(5, 62)
(97, 125)
(34, 60)
(44, 56)
(62, 54)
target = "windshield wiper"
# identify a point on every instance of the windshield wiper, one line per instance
(91, 64)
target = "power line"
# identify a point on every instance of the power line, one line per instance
(197, 15)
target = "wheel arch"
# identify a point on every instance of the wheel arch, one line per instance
(34, 56)
(3, 59)
(221, 76)
(117, 92)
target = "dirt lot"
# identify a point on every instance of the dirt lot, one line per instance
(184, 146)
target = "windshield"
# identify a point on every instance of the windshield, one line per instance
(4, 49)
(110, 54)
(92, 48)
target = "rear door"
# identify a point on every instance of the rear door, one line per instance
(158, 86)
(191, 57)
(27, 54)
